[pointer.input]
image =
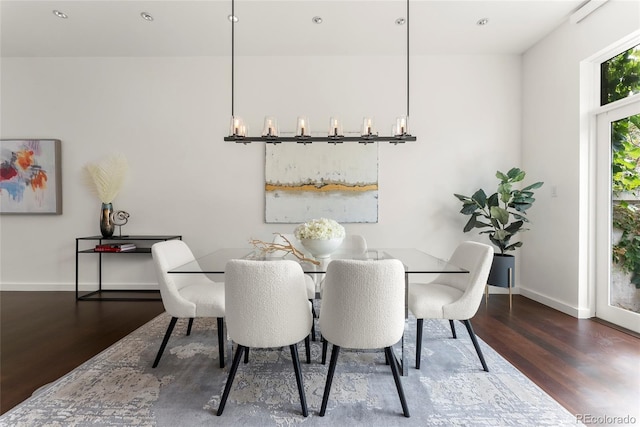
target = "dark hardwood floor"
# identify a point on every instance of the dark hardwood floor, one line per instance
(587, 366)
(44, 335)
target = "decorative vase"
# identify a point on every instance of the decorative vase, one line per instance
(499, 274)
(321, 248)
(106, 222)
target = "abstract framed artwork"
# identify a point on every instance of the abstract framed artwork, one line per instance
(30, 176)
(304, 182)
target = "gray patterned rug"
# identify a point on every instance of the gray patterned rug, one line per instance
(119, 387)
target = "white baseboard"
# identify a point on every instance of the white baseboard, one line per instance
(51, 287)
(555, 304)
(144, 286)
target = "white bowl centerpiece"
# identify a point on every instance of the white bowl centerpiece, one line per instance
(321, 237)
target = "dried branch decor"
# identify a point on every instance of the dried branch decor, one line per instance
(270, 247)
(106, 178)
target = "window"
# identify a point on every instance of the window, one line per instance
(618, 190)
(620, 76)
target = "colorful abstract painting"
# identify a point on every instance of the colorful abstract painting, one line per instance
(337, 181)
(30, 176)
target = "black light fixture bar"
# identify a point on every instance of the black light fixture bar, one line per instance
(331, 139)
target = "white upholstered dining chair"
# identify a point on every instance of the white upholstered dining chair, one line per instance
(453, 296)
(186, 295)
(363, 305)
(309, 281)
(267, 307)
(353, 243)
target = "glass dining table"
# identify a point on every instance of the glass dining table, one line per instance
(415, 262)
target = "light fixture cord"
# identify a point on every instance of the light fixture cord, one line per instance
(408, 21)
(233, 25)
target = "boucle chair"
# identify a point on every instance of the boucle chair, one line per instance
(267, 307)
(453, 296)
(354, 243)
(186, 295)
(363, 305)
(309, 281)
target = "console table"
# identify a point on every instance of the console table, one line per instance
(143, 246)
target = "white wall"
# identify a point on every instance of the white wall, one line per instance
(472, 115)
(557, 256)
(168, 116)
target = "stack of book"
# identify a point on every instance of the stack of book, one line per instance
(115, 247)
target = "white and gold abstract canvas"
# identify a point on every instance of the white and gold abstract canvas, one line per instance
(337, 181)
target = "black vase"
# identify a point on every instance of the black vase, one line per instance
(499, 274)
(106, 221)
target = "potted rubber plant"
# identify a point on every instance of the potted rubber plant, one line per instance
(500, 216)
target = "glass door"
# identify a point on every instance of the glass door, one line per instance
(618, 216)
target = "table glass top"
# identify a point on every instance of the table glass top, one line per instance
(414, 260)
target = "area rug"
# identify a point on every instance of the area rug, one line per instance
(118, 387)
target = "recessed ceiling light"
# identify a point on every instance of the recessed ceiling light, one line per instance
(316, 20)
(400, 21)
(146, 16)
(60, 14)
(232, 18)
(483, 21)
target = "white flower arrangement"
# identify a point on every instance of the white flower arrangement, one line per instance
(319, 229)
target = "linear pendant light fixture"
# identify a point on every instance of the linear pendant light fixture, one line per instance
(238, 130)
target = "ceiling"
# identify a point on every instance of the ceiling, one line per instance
(267, 27)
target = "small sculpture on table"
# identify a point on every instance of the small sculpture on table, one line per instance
(119, 218)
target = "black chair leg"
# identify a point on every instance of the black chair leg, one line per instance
(472, 334)
(419, 342)
(165, 340)
(313, 321)
(189, 326)
(324, 351)
(307, 349)
(327, 388)
(246, 355)
(453, 329)
(296, 368)
(221, 345)
(396, 377)
(232, 374)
